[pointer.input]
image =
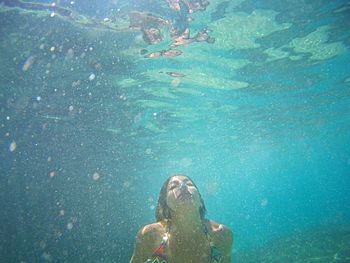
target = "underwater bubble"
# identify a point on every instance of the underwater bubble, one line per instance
(96, 176)
(122, 97)
(13, 146)
(264, 202)
(148, 151)
(76, 83)
(92, 76)
(52, 49)
(70, 53)
(70, 226)
(126, 184)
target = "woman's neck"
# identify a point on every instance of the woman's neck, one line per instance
(186, 224)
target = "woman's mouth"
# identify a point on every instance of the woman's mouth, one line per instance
(184, 195)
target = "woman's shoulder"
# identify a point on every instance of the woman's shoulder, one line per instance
(219, 232)
(148, 238)
(151, 231)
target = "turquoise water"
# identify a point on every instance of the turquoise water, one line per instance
(90, 127)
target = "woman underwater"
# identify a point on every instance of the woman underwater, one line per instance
(181, 233)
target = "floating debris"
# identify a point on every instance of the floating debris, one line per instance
(28, 63)
(13, 146)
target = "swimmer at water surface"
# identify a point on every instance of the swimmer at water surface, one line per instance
(182, 233)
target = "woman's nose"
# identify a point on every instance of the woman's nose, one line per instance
(183, 186)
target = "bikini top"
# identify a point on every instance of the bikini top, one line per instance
(159, 255)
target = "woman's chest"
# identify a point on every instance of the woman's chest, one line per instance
(190, 251)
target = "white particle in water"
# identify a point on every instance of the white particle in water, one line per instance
(70, 53)
(96, 176)
(8, 118)
(52, 14)
(69, 226)
(148, 151)
(52, 49)
(13, 146)
(92, 76)
(71, 108)
(38, 98)
(264, 202)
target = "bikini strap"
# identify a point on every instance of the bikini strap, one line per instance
(160, 251)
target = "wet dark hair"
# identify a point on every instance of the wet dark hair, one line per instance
(163, 210)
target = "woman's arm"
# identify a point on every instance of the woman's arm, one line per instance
(227, 242)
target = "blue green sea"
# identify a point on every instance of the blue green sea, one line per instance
(253, 104)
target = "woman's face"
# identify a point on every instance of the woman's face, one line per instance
(182, 193)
